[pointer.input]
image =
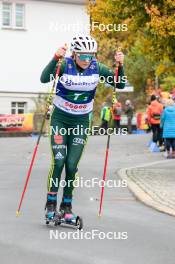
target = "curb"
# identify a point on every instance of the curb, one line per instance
(140, 194)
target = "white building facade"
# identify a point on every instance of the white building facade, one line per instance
(30, 33)
(19, 102)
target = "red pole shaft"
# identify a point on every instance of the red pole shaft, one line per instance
(107, 152)
(104, 175)
(28, 176)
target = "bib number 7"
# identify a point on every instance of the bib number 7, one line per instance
(78, 96)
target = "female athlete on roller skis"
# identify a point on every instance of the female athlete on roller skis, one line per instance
(79, 76)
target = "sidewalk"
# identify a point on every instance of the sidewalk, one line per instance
(153, 184)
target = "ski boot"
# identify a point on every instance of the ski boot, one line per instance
(51, 208)
(66, 215)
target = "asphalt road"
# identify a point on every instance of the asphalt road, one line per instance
(26, 239)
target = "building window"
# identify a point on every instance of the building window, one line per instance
(19, 16)
(18, 107)
(7, 14)
(13, 15)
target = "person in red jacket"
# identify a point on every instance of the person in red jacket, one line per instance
(154, 112)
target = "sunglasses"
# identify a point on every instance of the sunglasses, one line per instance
(88, 57)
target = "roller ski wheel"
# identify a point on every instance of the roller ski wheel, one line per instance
(79, 223)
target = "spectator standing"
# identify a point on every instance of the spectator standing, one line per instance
(168, 125)
(154, 112)
(129, 111)
(116, 114)
(105, 116)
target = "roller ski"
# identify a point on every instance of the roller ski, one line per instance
(63, 216)
(66, 216)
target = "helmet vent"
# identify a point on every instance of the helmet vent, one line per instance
(84, 44)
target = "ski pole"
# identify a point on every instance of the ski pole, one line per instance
(49, 99)
(107, 151)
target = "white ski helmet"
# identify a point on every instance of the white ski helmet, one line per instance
(84, 43)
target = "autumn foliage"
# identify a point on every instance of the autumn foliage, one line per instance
(148, 43)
